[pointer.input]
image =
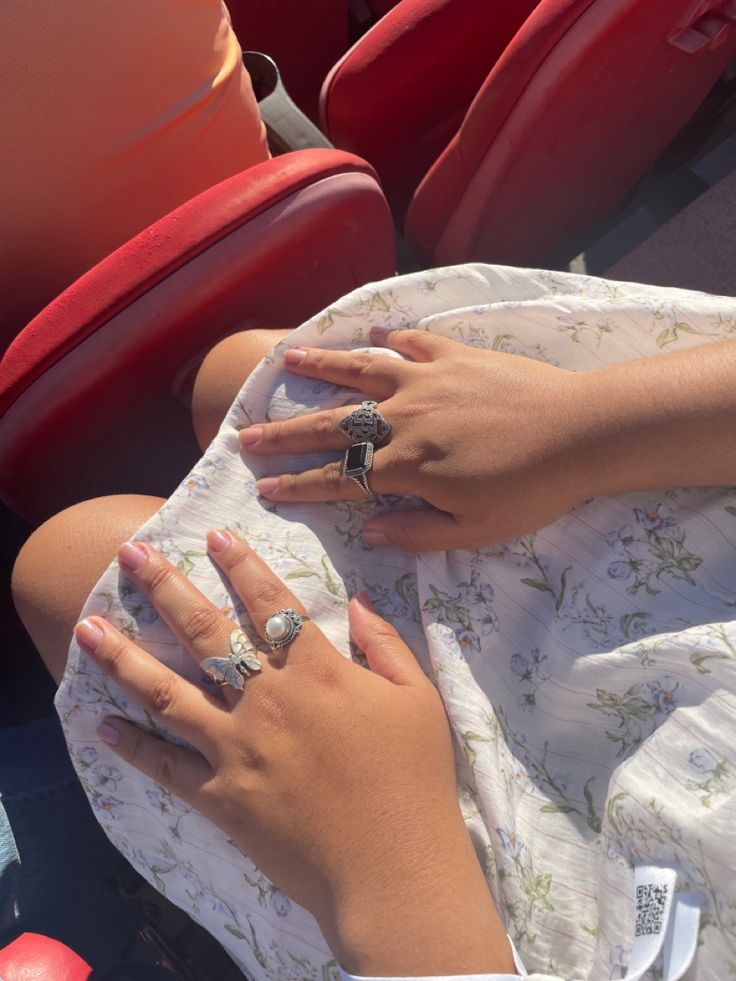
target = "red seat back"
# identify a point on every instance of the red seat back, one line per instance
(509, 127)
(583, 100)
(305, 40)
(400, 94)
(86, 390)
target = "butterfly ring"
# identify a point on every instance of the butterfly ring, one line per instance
(239, 664)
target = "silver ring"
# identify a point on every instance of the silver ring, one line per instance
(357, 465)
(240, 663)
(282, 627)
(365, 425)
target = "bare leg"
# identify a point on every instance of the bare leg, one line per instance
(222, 375)
(61, 562)
(63, 559)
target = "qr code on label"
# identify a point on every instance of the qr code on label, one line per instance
(650, 905)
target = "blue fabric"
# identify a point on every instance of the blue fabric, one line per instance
(9, 874)
(64, 884)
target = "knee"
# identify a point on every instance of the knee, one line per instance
(62, 560)
(222, 374)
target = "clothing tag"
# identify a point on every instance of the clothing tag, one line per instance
(681, 940)
(654, 889)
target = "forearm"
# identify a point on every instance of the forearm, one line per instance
(665, 421)
(430, 918)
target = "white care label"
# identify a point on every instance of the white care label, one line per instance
(664, 922)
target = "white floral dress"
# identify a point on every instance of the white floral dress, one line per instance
(588, 670)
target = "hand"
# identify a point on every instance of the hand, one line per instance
(494, 442)
(338, 782)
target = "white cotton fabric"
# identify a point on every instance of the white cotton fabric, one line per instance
(587, 670)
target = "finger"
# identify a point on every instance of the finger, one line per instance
(183, 708)
(419, 531)
(419, 345)
(261, 590)
(178, 770)
(329, 483)
(375, 374)
(305, 434)
(385, 651)
(202, 629)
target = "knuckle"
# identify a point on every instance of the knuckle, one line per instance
(201, 623)
(327, 673)
(360, 365)
(324, 426)
(383, 632)
(166, 771)
(270, 593)
(236, 557)
(291, 484)
(162, 694)
(332, 476)
(272, 716)
(114, 656)
(276, 434)
(160, 579)
(315, 359)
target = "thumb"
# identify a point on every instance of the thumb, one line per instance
(418, 531)
(385, 651)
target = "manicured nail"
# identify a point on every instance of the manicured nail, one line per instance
(294, 355)
(267, 485)
(374, 536)
(364, 600)
(132, 555)
(250, 435)
(108, 733)
(218, 541)
(88, 634)
(378, 335)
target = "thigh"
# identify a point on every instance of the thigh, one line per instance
(62, 560)
(222, 374)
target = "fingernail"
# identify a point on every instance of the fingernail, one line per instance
(108, 733)
(218, 541)
(88, 634)
(364, 600)
(373, 536)
(250, 435)
(378, 335)
(132, 556)
(294, 355)
(267, 485)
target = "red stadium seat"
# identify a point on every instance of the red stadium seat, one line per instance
(305, 39)
(97, 369)
(504, 129)
(32, 957)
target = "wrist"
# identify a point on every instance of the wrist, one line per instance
(435, 916)
(657, 423)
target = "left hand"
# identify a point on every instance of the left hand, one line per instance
(338, 782)
(497, 444)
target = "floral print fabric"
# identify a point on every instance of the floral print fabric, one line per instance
(588, 670)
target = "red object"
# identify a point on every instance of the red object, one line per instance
(86, 390)
(305, 40)
(33, 957)
(507, 128)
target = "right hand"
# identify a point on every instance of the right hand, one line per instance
(338, 782)
(497, 444)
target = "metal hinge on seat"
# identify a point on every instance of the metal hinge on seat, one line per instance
(708, 29)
